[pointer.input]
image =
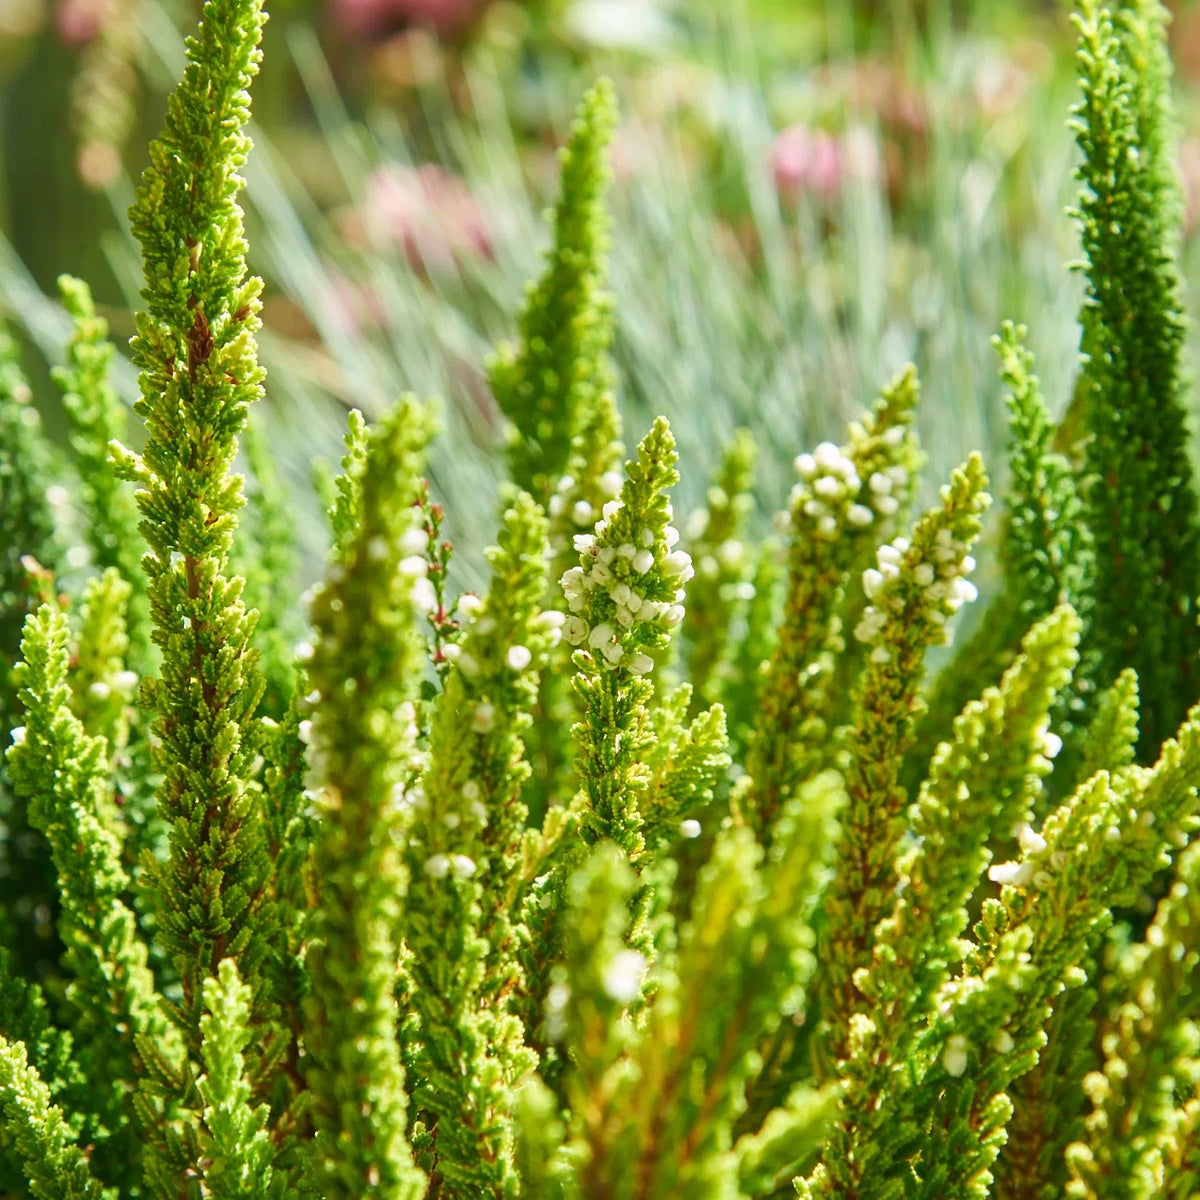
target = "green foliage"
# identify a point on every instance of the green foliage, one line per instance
(98, 418)
(481, 895)
(548, 382)
(56, 1167)
(27, 539)
(1140, 501)
(196, 353)
(847, 502)
(360, 754)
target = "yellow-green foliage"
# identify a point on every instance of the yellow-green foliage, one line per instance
(655, 870)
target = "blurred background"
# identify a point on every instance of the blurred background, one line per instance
(807, 195)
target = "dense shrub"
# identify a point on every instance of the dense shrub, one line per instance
(654, 871)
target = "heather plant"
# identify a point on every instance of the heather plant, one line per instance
(655, 869)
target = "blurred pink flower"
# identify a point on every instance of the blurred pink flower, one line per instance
(79, 21)
(805, 160)
(1189, 177)
(366, 17)
(426, 211)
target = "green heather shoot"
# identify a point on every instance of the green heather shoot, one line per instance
(659, 866)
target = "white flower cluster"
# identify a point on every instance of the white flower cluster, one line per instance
(1030, 869)
(944, 580)
(828, 492)
(954, 1055)
(548, 625)
(624, 975)
(568, 502)
(557, 999)
(830, 488)
(730, 555)
(438, 866)
(124, 682)
(619, 571)
(413, 547)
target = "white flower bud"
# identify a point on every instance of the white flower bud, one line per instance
(640, 664)
(424, 597)
(1030, 841)
(965, 591)
(610, 482)
(462, 866)
(623, 978)
(437, 866)
(470, 605)
(613, 652)
(872, 581)
(603, 632)
(1014, 873)
(679, 562)
(828, 456)
(673, 615)
(1050, 744)
(414, 541)
(518, 658)
(690, 828)
(643, 560)
(954, 1056)
(484, 718)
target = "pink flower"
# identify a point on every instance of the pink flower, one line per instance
(79, 21)
(807, 160)
(1189, 176)
(429, 213)
(366, 17)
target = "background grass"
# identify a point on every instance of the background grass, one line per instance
(738, 303)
